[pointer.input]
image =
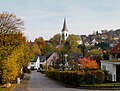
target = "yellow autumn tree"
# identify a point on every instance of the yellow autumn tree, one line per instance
(12, 47)
(10, 68)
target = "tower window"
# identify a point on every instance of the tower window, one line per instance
(63, 35)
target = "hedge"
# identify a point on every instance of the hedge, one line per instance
(76, 78)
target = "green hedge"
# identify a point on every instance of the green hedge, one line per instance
(77, 78)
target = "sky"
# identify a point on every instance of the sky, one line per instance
(44, 18)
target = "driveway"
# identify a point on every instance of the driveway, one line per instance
(39, 82)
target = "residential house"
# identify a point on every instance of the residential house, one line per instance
(87, 43)
(50, 60)
(113, 65)
(113, 43)
(35, 62)
(116, 37)
(42, 62)
(104, 36)
(83, 37)
(93, 37)
(94, 42)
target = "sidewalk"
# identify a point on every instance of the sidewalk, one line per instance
(23, 86)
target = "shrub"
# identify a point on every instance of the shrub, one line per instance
(26, 70)
(99, 76)
(9, 70)
(108, 76)
(75, 78)
(1, 89)
(86, 63)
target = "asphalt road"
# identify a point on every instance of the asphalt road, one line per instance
(39, 82)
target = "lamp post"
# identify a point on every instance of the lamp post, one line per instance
(66, 55)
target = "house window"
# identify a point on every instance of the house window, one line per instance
(103, 67)
(118, 56)
(53, 63)
(32, 63)
(54, 58)
(66, 34)
(113, 56)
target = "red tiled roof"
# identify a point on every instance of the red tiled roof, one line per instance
(116, 49)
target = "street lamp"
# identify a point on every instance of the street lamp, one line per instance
(66, 55)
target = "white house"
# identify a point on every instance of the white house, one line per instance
(94, 42)
(87, 43)
(113, 65)
(35, 62)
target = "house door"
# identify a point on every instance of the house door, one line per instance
(118, 73)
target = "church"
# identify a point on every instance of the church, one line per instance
(64, 31)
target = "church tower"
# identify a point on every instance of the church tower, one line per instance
(64, 31)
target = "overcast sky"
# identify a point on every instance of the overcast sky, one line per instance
(45, 17)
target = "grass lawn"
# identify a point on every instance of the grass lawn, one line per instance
(7, 89)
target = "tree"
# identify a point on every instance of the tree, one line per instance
(41, 44)
(103, 45)
(10, 68)
(104, 31)
(49, 47)
(106, 55)
(10, 33)
(87, 63)
(83, 50)
(12, 44)
(9, 23)
(71, 44)
(35, 49)
(56, 40)
(70, 47)
(94, 52)
(28, 54)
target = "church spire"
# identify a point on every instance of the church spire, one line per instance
(64, 30)
(64, 26)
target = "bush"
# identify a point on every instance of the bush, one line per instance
(75, 78)
(26, 70)
(9, 70)
(99, 76)
(1, 89)
(108, 76)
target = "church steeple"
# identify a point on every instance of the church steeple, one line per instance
(64, 26)
(64, 30)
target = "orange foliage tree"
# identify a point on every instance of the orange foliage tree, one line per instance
(87, 63)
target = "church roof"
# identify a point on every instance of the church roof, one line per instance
(64, 26)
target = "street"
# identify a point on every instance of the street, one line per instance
(39, 82)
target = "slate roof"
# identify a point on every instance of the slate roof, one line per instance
(35, 58)
(116, 49)
(43, 58)
(48, 55)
